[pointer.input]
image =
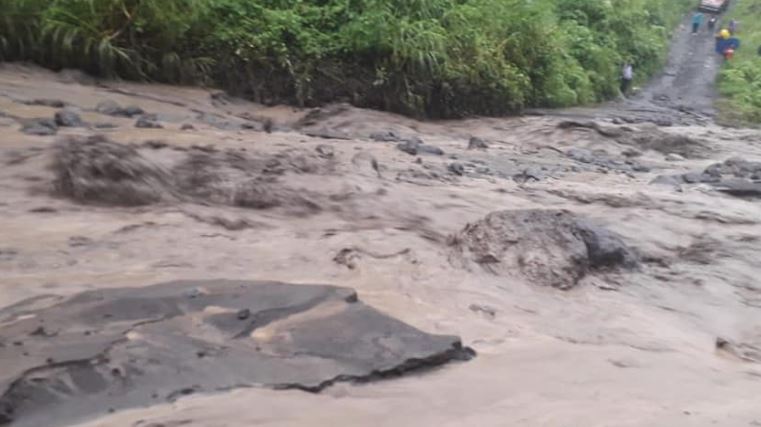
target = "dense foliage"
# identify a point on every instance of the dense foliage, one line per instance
(439, 58)
(740, 79)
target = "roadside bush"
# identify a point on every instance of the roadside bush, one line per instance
(435, 58)
(740, 78)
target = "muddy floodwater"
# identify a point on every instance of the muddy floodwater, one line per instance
(219, 263)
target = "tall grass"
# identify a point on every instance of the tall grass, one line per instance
(438, 58)
(740, 78)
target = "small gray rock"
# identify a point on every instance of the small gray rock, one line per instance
(54, 103)
(106, 126)
(631, 152)
(477, 143)
(663, 122)
(68, 118)
(456, 168)
(132, 111)
(639, 167)
(605, 249)
(108, 107)
(430, 149)
(671, 180)
(325, 151)
(385, 136)
(187, 126)
(693, 177)
(148, 121)
(412, 138)
(40, 127)
(739, 188)
(409, 147)
(673, 157)
(699, 177)
(529, 174)
(581, 155)
(112, 108)
(485, 309)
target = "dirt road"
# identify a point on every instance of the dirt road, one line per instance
(605, 273)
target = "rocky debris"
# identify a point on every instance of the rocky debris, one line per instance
(484, 309)
(736, 176)
(350, 257)
(477, 143)
(364, 162)
(157, 342)
(673, 157)
(669, 180)
(53, 103)
(96, 170)
(326, 133)
(743, 351)
(430, 149)
(68, 118)
(663, 122)
(155, 144)
(529, 174)
(698, 177)
(646, 138)
(255, 194)
(385, 136)
(112, 108)
(602, 159)
(39, 127)
(7, 254)
(546, 247)
(325, 151)
(187, 126)
(581, 155)
(318, 115)
(608, 131)
(456, 168)
(665, 143)
(148, 121)
(736, 167)
(631, 153)
(415, 146)
(347, 257)
(739, 188)
(230, 177)
(106, 126)
(408, 147)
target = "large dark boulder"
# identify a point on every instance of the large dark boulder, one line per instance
(545, 247)
(122, 348)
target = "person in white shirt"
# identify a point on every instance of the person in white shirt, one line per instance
(627, 75)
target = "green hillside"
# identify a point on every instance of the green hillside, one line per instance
(740, 79)
(436, 58)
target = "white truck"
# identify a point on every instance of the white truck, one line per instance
(713, 6)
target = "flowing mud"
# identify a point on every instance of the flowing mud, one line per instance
(602, 262)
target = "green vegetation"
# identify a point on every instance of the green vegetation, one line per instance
(438, 58)
(740, 79)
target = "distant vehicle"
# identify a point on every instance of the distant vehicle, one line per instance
(713, 6)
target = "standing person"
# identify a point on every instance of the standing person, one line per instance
(627, 75)
(712, 23)
(697, 21)
(732, 27)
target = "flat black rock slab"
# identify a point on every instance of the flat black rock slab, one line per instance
(99, 351)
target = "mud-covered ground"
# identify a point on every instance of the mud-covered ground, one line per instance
(602, 263)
